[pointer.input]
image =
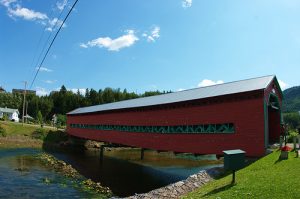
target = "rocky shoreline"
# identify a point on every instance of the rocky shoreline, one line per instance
(68, 171)
(180, 188)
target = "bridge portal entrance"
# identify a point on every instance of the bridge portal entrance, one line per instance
(274, 119)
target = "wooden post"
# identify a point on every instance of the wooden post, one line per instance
(24, 99)
(280, 141)
(233, 177)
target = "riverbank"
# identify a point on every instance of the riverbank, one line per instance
(68, 171)
(30, 173)
(20, 141)
(18, 136)
(180, 188)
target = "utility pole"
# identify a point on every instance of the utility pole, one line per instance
(26, 112)
(24, 98)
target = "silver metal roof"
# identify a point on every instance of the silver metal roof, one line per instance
(185, 95)
(8, 110)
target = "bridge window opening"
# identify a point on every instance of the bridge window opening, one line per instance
(200, 128)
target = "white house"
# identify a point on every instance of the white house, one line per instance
(12, 114)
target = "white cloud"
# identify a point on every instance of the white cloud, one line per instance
(41, 91)
(81, 90)
(82, 45)
(181, 89)
(50, 81)
(61, 5)
(44, 69)
(153, 35)
(123, 41)
(26, 13)
(54, 24)
(155, 32)
(7, 3)
(187, 3)
(283, 85)
(207, 82)
(15, 10)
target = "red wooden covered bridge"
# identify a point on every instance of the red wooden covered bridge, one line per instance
(243, 114)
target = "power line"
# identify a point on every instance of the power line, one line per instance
(52, 42)
(38, 44)
(45, 44)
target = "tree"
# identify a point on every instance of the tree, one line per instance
(63, 101)
(40, 117)
(61, 120)
(63, 89)
(292, 119)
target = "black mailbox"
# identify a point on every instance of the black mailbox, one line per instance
(234, 159)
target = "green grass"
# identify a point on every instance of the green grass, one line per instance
(266, 178)
(46, 134)
(13, 128)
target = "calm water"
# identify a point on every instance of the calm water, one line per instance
(121, 170)
(126, 174)
(22, 176)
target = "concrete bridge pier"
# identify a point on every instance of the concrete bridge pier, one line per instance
(142, 153)
(101, 153)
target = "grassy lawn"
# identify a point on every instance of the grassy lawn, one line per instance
(18, 135)
(14, 128)
(265, 178)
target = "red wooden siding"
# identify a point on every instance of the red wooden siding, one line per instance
(246, 111)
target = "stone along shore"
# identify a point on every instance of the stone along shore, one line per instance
(182, 187)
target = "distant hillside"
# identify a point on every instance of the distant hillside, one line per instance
(291, 101)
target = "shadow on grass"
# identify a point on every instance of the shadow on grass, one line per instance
(220, 189)
(278, 160)
(282, 158)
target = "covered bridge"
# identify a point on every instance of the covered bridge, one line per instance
(243, 114)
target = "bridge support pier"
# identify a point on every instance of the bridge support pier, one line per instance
(142, 153)
(101, 153)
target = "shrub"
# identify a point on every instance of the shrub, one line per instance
(39, 133)
(56, 137)
(291, 134)
(3, 132)
(61, 120)
(5, 117)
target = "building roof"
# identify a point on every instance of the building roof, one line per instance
(21, 91)
(2, 89)
(185, 95)
(8, 110)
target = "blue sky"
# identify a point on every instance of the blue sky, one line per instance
(149, 45)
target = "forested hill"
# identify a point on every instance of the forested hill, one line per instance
(291, 101)
(63, 101)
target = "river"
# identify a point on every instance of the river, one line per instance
(121, 170)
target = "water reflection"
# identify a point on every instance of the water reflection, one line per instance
(126, 174)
